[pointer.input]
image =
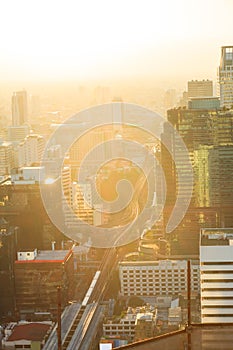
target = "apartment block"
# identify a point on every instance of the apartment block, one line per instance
(153, 278)
(216, 268)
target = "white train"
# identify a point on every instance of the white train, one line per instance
(91, 288)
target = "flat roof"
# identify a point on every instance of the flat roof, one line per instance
(48, 256)
(156, 262)
(52, 254)
(216, 236)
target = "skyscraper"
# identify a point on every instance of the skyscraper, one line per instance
(226, 76)
(19, 108)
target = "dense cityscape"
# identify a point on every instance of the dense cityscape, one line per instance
(116, 186)
(158, 284)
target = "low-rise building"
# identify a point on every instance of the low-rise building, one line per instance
(25, 335)
(138, 322)
(37, 276)
(153, 278)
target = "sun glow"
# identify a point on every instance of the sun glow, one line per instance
(84, 38)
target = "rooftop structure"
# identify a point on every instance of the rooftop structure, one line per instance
(207, 102)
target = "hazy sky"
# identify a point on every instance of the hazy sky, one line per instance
(169, 39)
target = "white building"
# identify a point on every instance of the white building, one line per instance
(28, 175)
(30, 150)
(154, 278)
(216, 267)
(226, 76)
(18, 133)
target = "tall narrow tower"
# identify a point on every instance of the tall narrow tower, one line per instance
(226, 76)
(19, 108)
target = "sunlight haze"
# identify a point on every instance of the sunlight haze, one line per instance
(47, 40)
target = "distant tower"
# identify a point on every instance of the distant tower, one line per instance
(19, 108)
(226, 77)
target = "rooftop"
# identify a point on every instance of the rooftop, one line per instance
(217, 236)
(157, 263)
(48, 256)
(30, 331)
(52, 254)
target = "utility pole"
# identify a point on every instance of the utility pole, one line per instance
(59, 343)
(189, 303)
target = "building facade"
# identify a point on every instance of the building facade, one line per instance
(8, 242)
(204, 103)
(226, 76)
(154, 278)
(6, 158)
(37, 276)
(216, 269)
(19, 108)
(200, 88)
(30, 150)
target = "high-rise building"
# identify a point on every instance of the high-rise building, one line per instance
(8, 241)
(19, 108)
(208, 136)
(226, 76)
(6, 158)
(200, 88)
(216, 278)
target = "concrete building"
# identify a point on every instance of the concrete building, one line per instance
(6, 158)
(199, 130)
(28, 175)
(8, 241)
(138, 323)
(18, 133)
(200, 88)
(144, 326)
(213, 166)
(37, 275)
(30, 150)
(19, 108)
(226, 76)
(216, 268)
(153, 278)
(123, 328)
